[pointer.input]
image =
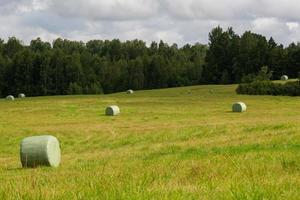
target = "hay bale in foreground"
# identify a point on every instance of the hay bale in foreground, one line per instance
(112, 110)
(40, 151)
(21, 96)
(129, 92)
(239, 107)
(10, 98)
(284, 78)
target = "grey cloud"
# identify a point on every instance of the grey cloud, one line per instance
(285, 10)
(7, 7)
(106, 10)
(52, 22)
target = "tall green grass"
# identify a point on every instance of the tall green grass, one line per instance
(178, 143)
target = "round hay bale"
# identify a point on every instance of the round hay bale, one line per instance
(239, 107)
(21, 96)
(129, 92)
(284, 78)
(40, 151)
(10, 98)
(112, 110)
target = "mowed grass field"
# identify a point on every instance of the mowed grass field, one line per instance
(180, 143)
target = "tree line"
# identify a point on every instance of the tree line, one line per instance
(103, 66)
(236, 59)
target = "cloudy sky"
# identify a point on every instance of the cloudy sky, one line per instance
(174, 21)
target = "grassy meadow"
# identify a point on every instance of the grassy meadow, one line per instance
(179, 143)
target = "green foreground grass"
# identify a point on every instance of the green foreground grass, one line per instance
(181, 143)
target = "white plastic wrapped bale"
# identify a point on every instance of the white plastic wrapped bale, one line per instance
(10, 98)
(284, 78)
(40, 151)
(112, 110)
(239, 107)
(129, 92)
(21, 96)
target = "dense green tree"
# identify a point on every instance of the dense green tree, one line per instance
(39, 46)
(12, 47)
(292, 66)
(221, 55)
(157, 72)
(42, 76)
(74, 88)
(136, 74)
(22, 68)
(252, 55)
(58, 65)
(2, 70)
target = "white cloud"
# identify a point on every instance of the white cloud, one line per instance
(175, 21)
(292, 25)
(265, 24)
(208, 9)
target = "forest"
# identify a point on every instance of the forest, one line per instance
(106, 66)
